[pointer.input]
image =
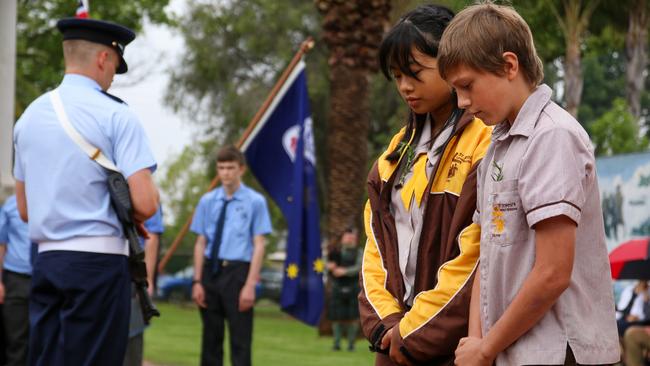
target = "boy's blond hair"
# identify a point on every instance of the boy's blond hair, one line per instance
(479, 35)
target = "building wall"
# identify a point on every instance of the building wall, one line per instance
(624, 183)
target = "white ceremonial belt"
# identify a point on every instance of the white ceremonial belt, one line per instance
(92, 244)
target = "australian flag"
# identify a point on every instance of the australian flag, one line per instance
(280, 153)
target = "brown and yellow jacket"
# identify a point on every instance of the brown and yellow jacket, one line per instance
(448, 253)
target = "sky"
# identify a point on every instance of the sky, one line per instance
(150, 56)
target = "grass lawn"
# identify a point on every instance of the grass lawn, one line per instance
(175, 340)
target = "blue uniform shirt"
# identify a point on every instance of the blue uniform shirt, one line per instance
(246, 217)
(66, 192)
(154, 225)
(14, 234)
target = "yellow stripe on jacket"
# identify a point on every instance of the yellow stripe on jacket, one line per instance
(374, 274)
(452, 277)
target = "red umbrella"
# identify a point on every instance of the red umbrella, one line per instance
(631, 260)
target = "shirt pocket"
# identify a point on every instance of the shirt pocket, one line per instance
(507, 221)
(241, 221)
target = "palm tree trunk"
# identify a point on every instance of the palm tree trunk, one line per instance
(347, 143)
(636, 52)
(573, 22)
(573, 74)
(352, 31)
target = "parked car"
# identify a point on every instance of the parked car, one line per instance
(270, 285)
(177, 287)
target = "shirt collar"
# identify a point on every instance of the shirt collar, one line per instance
(238, 195)
(80, 80)
(527, 116)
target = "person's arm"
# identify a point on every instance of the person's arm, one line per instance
(198, 295)
(379, 310)
(438, 317)
(550, 276)
(474, 328)
(144, 195)
(3, 250)
(21, 200)
(353, 270)
(247, 293)
(4, 241)
(151, 247)
(636, 312)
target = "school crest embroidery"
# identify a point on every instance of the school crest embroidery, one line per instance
(458, 159)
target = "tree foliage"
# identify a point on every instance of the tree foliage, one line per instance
(39, 65)
(234, 53)
(617, 132)
(237, 49)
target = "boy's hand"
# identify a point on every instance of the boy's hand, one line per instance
(246, 297)
(470, 353)
(198, 295)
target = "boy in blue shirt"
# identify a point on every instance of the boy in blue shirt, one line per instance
(15, 249)
(231, 222)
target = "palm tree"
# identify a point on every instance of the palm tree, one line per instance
(352, 31)
(636, 53)
(573, 18)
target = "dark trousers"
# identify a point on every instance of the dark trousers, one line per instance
(134, 351)
(135, 345)
(15, 314)
(79, 309)
(222, 298)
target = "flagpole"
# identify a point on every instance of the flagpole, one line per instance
(306, 45)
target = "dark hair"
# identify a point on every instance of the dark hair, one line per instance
(421, 28)
(230, 154)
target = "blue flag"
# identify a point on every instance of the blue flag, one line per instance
(280, 153)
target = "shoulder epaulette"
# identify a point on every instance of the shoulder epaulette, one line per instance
(114, 97)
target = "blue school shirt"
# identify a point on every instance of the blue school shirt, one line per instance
(14, 234)
(246, 217)
(66, 192)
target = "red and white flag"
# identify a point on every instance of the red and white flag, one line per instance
(82, 9)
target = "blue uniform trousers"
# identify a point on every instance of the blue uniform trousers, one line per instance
(79, 309)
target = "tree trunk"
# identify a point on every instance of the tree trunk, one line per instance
(347, 144)
(636, 52)
(573, 74)
(573, 22)
(352, 31)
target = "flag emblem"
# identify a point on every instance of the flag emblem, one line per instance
(82, 9)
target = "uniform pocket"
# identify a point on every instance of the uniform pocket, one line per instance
(507, 219)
